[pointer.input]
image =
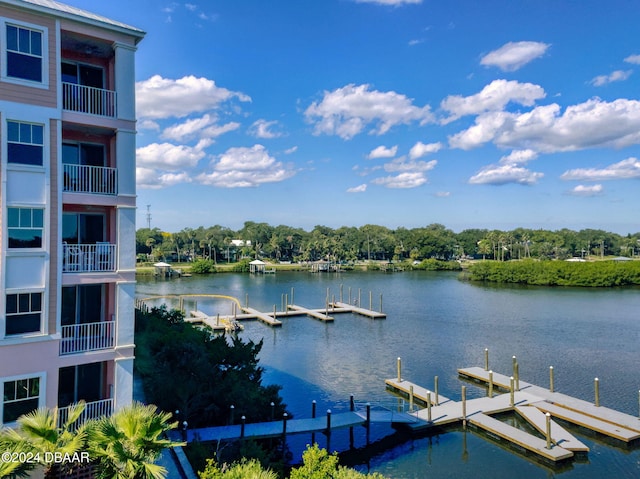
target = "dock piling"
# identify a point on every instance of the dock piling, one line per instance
(399, 367)
(285, 416)
(218, 319)
(515, 366)
(517, 376)
(273, 410)
(551, 379)
(352, 403)
(596, 387)
(381, 302)
(511, 391)
(246, 300)
(313, 409)
(490, 384)
(548, 418)
(410, 398)
(370, 301)
(486, 359)
(231, 414)
(292, 301)
(242, 425)
(328, 421)
(341, 293)
(429, 407)
(286, 304)
(435, 387)
(464, 406)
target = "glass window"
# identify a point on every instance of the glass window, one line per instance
(20, 397)
(25, 227)
(23, 313)
(25, 144)
(24, 53)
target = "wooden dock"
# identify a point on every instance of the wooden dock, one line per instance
(219, 323)
(357, 310)
(419, 393)
(314, 313)
(264, 317)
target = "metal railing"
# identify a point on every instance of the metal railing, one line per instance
(99, 180)
(87, 99)
(80, 338)
(83, 258)
(93, 410)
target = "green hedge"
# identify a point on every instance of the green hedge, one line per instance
(558, 273)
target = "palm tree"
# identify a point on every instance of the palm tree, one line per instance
(127, 444)
(38, 433)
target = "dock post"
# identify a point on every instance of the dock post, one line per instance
(464, 406)
(639, 404)
(490, 384)
(368, 423)
(231, 414)
(429, 407)
(274, 311)
(341, 293)
(273, 410)
(435, 383)
(370, 301)
(313, 409)
(352, 403)
(486, 359)
(551, 379)
(359, 297)
(328, 421)
(246, 300)
(517, 377)
(399, 367)
(333, 301)
(511, 391)
(381, 302)
(286, 305)
(181, 301)
(292, 301)
(326, 305)
(218, 319)
(349, 295)
(285, 416)
(235, 310)
(410, 398)
(244, 421)
(548, 417)
(196, 305)
(282, 301)
(596, 386)
(515, 366)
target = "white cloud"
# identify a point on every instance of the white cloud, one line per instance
(618, 75)
(242, 167)
(150, 178)
(582, 190)
(505, 173)
(403, 180)
(293, 149)
(190, 6)
(493, 97)
(623, 170)
(265, 129)
(514, 55)
(635, 59)
(394, 3)
(594, 123)
(348, 110)
(171, 157)
(198, 127)
(358, 189)
(159, 97)
(400, 164)
(383, 152)
(519, 156)
(442, 194)
(421, 149)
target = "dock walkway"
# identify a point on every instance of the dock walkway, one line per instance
(314, 313)
(264, 317)
(361, 311)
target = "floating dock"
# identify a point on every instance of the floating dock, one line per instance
(217, 324)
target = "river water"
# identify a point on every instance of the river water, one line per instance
(437, 323)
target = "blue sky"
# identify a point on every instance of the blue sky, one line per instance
(489, 114)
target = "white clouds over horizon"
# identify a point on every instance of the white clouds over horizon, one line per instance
(514, 55)
(593, 123)
(623, 170)
(347, 111)
(583, 190)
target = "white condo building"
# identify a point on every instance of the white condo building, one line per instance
(67, 208)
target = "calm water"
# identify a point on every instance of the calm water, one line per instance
(437, 324)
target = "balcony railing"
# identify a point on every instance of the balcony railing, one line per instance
(98, 180)
(93, 410)
(80, 338)
(85, 258)
(87, 99)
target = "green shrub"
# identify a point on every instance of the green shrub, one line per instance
(203, 266)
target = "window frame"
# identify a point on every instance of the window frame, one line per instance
(21, 227)
(16, 315)
(9, 142)
(44, 53)
(41, 393)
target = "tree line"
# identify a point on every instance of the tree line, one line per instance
(374, 243)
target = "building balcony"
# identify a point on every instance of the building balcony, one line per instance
(97, 180)
(90, 100)
(88, 258)
(82, 338)
(93, 410)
